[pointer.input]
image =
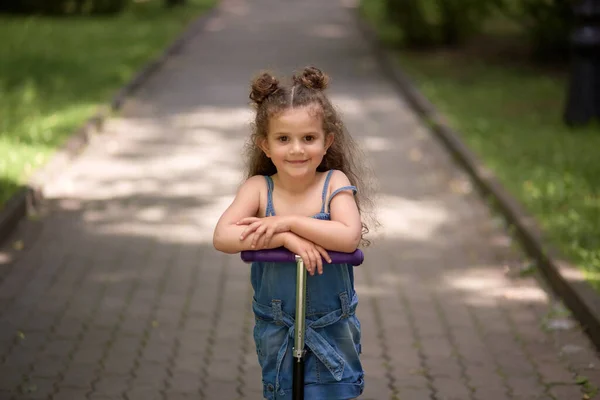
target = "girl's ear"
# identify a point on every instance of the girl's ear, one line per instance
(264, 146)
(329, 141)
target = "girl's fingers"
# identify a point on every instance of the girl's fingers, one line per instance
(319, 261)
(257, 235)
(245, 233)
(251, 228)
(324, 253)
(260, 242)
(247, 220)
(268, 235)
(306, 260)
(313, 261)
(264, 240)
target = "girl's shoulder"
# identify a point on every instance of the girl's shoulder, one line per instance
(255, 180)
(254, 184)
(338, 179)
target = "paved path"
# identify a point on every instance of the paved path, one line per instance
(118, 294)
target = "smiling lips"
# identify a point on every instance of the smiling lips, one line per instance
(297, 161)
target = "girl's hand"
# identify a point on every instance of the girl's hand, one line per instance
(263, 229)
(311, 253)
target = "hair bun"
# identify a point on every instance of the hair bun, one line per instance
(312, 78)
(262, 87)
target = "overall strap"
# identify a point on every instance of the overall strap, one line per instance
(352, 188)
(270, 209)
(325, 187)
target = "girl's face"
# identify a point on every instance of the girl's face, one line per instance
(296, 142)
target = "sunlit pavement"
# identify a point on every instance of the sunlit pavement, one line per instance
(117, 292)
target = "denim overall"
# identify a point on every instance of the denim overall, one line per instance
(332, 367)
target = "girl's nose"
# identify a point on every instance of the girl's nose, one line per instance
(297, 147)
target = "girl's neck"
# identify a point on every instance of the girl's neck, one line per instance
(295, 185)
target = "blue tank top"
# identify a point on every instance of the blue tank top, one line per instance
(277, 281)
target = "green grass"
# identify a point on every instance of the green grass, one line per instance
(55, 72)
(511, 116)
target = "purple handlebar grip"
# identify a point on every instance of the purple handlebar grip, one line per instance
(284, 255)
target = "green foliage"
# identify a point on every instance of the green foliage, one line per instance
(55, 72)
(426, 23)
(460, 19)
(546, 22)
(432, 23)
(63, 7)
(375, 12)
(410, 17)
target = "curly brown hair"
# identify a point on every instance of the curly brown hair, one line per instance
(269, 98)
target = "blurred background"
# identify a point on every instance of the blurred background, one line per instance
(119, 289)
(515, 77)
(520, 81)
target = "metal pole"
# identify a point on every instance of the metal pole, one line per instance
(298, 351)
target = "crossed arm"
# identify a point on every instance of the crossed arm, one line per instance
(331, 235)
(239, 229)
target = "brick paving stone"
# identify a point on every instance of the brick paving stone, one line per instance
(174, 395)
(410, 393)
(20, 359)
(215, 389)
(151, 373)
(88, 355)
(377, 388)
(566, 392)
(66, 393)
(445, 368)
(224, 371)
(102, 396)
(184, 382)
(48, 367)
(143, 393)
(111, 385)
(375, 366)
(450, 389)
(35, 388)
(185, 362)
(252, 379)
(79, 375)
(491, 392)
(525, 386)
(404, 380)
(120, 294)
(10, 377)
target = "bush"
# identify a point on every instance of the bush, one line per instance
(437, 22)
(546, 22)
(460, 19)
(63, 7)
(408, 15)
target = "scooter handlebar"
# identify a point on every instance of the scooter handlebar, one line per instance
(284, 255)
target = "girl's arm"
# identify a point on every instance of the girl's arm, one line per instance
(343, 232)
(227, 234)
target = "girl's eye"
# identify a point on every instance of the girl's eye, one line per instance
(282, 138)
(309, 138)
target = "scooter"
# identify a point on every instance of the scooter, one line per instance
(283, 255)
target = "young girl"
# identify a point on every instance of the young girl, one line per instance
(301, 193)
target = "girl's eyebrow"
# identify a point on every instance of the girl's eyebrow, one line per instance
(303, 133)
